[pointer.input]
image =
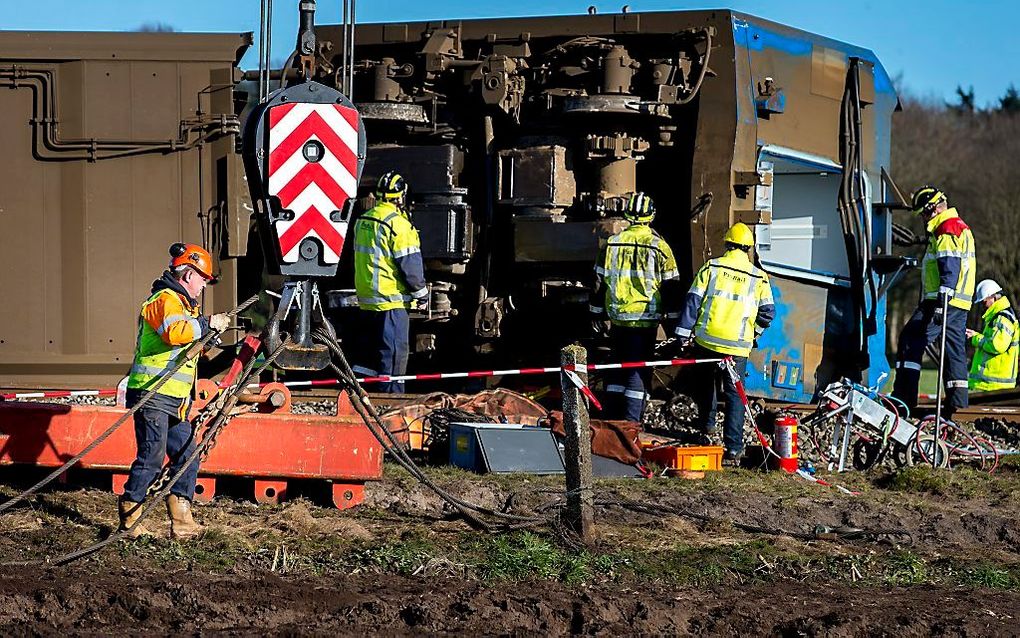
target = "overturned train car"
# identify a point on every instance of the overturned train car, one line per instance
(520, 138)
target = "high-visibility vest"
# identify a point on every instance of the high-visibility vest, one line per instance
(731, 290)
(635, 263)
(154, 356)
(949, 236)
(381, 236)
(994, 366)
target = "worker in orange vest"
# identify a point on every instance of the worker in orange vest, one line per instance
(169, 322)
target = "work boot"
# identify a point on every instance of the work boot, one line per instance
(182, 525)
(732, 459)
(129, 513)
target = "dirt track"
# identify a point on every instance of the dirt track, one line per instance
(190, 602)
(401, 565)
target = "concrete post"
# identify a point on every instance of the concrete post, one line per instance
(577, 455)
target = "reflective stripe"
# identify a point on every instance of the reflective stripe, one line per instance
(636, 316)
(909, 365)
(421, 293)
(990, 379)
(595, 310)
(635, 394)
(954, 253)
(718, 341)
(670, 275)
(646, 275)
(365, 371)
(153, 371)
(386, 299)
(682, 332)
(615, 388)
(410, 250)
(956, 384)
(172, 319)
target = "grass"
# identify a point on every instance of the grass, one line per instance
(526, 556)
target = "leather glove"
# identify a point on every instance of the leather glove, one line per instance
(420, 304)
(219, 322)
(600, 327)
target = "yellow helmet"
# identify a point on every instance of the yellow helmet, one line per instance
(926, 198)
(739, 235)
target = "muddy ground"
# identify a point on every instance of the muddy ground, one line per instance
(940, 555)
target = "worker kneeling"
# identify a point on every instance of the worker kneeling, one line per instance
(635, 266)
(168, 324)
(728, 306)
(994, 366)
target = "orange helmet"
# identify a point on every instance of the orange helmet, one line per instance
(192, 255)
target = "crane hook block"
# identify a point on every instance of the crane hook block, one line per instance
(304, 150)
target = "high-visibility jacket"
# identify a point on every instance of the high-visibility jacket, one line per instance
(630, 275)
(994, 366)
(729, 304)
(167, 325)
(388, 267)
(948, 263)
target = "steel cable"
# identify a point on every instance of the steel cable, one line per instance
(363, 406)
(218, 422)
(184, 358)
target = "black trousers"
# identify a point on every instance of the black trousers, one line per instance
(627, 390)
(921, 331)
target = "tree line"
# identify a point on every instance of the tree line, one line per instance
(973, 154)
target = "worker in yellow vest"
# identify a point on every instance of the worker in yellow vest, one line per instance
(728, 306)
(994, 365)
(632, 280)
(389, 276)
(947, 280)
(169, 322)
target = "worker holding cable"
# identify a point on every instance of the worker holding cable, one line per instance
(389, 276)
(728, 306)
(947, 292)
(169, 322)
(994, 366)
(632, 280)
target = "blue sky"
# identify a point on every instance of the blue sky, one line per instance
(934, 44)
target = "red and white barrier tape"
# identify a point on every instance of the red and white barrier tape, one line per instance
(51, 394)
(55, 394)
(478, 374)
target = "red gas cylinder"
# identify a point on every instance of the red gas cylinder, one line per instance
(785, 442)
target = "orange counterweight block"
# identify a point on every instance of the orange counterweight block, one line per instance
(269, 444)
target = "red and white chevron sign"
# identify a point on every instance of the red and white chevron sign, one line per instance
(312, 180)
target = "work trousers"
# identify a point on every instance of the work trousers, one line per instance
(387, 346)
(707, 382)
(627, 390)
(158, 436)
(921, 331)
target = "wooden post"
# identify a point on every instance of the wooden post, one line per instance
(577, 454)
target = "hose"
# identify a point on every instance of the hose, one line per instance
(194, 349)
(471, 512)
(693, 92)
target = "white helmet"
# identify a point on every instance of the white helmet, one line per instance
(986, 288)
